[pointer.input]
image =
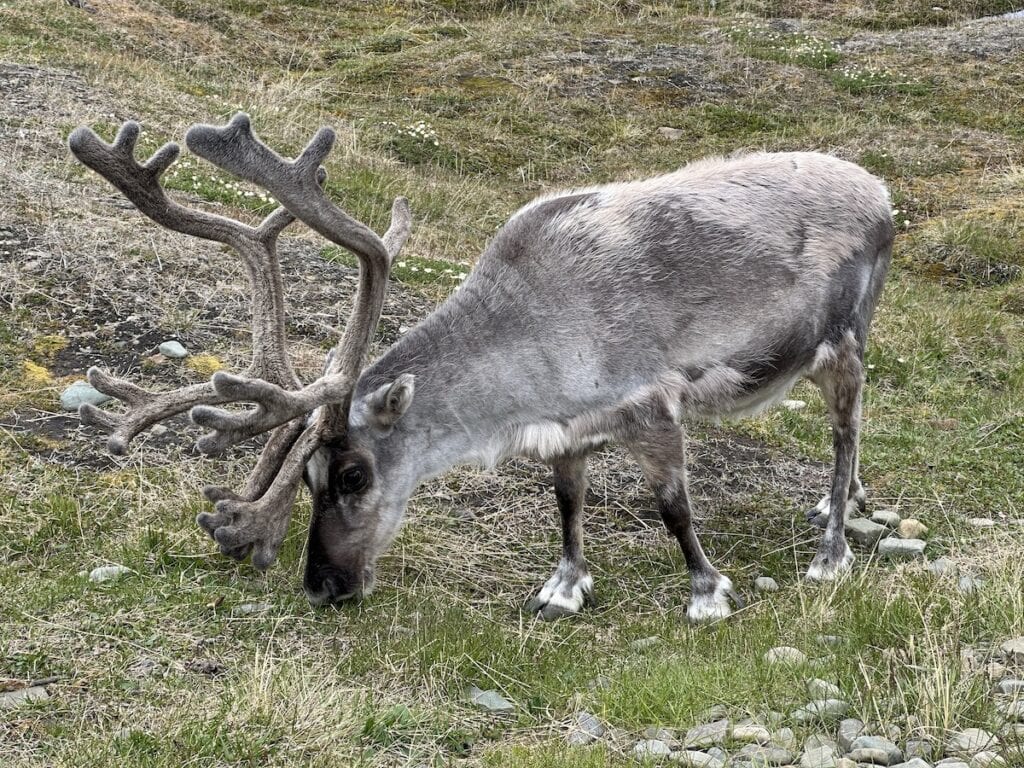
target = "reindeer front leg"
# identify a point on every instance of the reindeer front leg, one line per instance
(570, 587)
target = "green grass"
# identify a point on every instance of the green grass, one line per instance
(515, 99)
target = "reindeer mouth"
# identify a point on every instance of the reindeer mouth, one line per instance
(337, 587)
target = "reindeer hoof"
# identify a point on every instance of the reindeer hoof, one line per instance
(564, 594)
(707, 607)
(828, 567)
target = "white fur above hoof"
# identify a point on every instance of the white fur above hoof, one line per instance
(564, 594)
(711, 606)
(823, 570)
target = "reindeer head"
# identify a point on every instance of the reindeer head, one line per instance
(309, 426)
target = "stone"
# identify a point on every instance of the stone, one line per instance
(876, 750)
(793, 405)
(1012, 710)
(654, 733)
(785, 654)
(601, 681)
(822, 689)
(81, 393)
(969, 741)
(751, 733)
(766, 584)
(785, 738)
(645, 642)
(845, 762)
(981, 522)
(942, 567)
(824, 709)
(865, 532)
(27, 695)
(670, 134)
(1010, 687)
(759, 756)
(817, 741)
(987, 759)
(246, 609)
(918, 748)
(904, 549)
(819, 757)
(916, 762)
(911, 529)
(492, 701)
(849, 730)
(832, 640)
(694, 759)
(108, 572)
(968, 585)
(708, 735)
(173, 349)
(995, 670)
(886, 517)
(1013, 650)
(951, 763)
(585, 729)
(1012, 733)
(647, 748)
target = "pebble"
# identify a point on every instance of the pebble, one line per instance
(918, 748)
(108, 572)
(916, 762)
(981, 522)
(901, 548)
(694, 759)
(886, 517)
(1012, 733)
(1012, 710)
(492, 701)
(785, 738)
(172, 349)
(758, 756)
(822, 689)
(845, 762)
(671, 134)
(951, 763)
(766, 584)
(912, 529)
(968, 585)
(11, 699)
(751, 732)
(969, 741)
(651, 748)
(793, 405)
(785, 654)
(865, 532)
(942, 567)
(707, 735)
(825, 709)
(832, 640)
(80, 393)
(1013, 650)
(645, 642)
(819, 757)
(849, 730)
(601, 681)
(987, 759)
(1010, 687)
(585, 729)
(246, 609)
(662, 734)
(875, 749)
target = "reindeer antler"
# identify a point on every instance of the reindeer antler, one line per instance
(257, 518)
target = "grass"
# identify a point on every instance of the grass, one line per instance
(470, 109)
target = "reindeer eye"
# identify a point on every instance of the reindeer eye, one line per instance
(353, 480)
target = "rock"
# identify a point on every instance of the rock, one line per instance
(585, 729)
(246, 609)
(916, 762)
(918, 748)
(108, 572)
(875, 750)
(987, 759)
(710, 734)
(849, 730)
(758, 756)
(968, 585)
(951, 763)
(492, 701)
(1013, 650)
(751, 732)
(693, 759)
(785, 654)
(886, 517)
(80, 393)
(822, 689)
(793, 405)
(865, 532)
(969, 741)
(670, 134)
(766, 584)
(911, 529)
(1012, 710)
(942, 567)
(601, 681)
(718, 752)
(819, 757)
(27, 695)
(662, 734)
(647, 748)
(981, 522)
(1012, 733)
(173, 350)
(144, 667)
(832, 640)
(901, 548)
(1010, 687)
(845, 762)
(817, 741)
(824, 709)
(785, 738)
(645, 642)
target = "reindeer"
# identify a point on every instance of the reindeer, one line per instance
(606, 314)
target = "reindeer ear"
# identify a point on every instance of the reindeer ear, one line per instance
(387, 404)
